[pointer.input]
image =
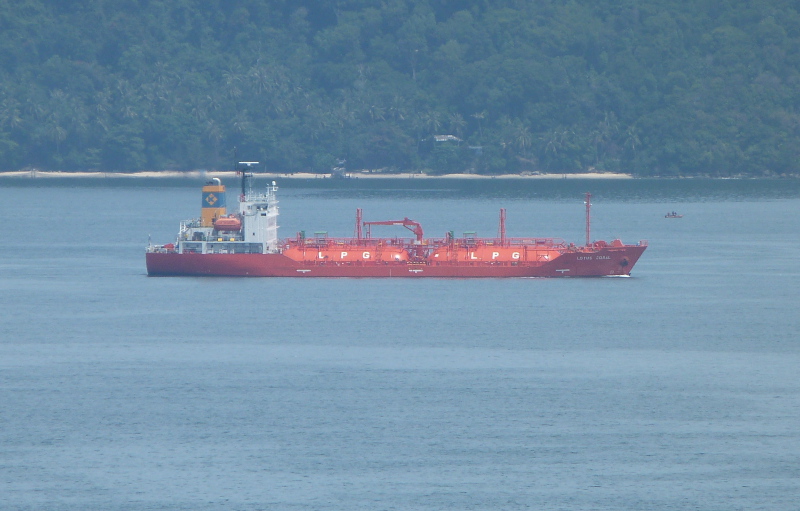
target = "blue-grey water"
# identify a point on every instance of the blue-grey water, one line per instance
(676, 388)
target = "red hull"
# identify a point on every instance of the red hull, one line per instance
(608, 261)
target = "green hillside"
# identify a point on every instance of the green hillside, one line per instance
(650, 87)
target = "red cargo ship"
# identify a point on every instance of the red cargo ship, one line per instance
(247, 245)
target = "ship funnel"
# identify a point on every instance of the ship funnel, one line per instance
(213, 205)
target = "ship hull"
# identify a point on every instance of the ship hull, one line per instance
(610, 261)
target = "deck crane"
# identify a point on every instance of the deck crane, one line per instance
(411, 225)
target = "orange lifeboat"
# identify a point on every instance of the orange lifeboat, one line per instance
(228, 223)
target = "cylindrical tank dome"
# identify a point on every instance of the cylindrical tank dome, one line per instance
(346, 254)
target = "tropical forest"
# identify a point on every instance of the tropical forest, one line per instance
(661, 88)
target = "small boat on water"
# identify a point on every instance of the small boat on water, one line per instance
(673, 214)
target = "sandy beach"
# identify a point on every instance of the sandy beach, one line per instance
(203, 174)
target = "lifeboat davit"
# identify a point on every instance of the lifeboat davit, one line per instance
(228, 223)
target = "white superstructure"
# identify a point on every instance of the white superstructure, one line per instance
(259, 214)
(254, 230)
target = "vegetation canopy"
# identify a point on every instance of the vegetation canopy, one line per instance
(648, 87)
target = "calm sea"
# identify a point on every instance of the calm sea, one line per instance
(676, 388)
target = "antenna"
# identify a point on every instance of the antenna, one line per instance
(358, 233)
(588, 203)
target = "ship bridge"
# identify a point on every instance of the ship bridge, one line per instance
(253, 230)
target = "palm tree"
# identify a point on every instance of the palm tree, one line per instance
(240, 122)
(10, 114)
(603, 134)
(261, 79)
(56, 132)
(233, 82)
(432, 122)
(397, 110)
(556, 143)
(213, 132)
(376, 113)
(480, 116)
(128, 112)
(34, 109)
(522, 137)
(457, 124)
(632, 138)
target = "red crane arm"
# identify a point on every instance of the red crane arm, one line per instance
(411, 225)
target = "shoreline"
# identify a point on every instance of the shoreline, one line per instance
(207, 174)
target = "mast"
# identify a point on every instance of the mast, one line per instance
(246, 186)
(244, 178)
(242, 168)
(502, 228)
(588, 203)
(239, 172)
(358, 232)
